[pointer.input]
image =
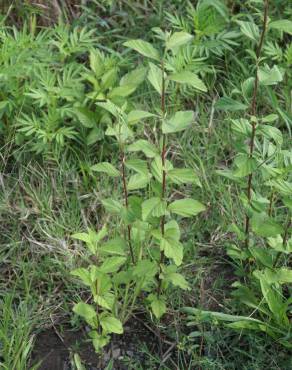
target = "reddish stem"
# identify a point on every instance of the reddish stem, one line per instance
(127, 204)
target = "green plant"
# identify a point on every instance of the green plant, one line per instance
(16, 339)
(145, 216)
(262, 241)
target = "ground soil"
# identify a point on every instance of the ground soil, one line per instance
(55, 347)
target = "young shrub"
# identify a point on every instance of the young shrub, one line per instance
(149, 236)
(262, 172)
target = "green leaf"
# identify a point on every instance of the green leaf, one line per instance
(172, 249)
(112, 264)
(86, 117)
(83, 274)
(250, 30)
(135, 77)
(85, 310)
(157, 168)
(137, 165)
(183, 176)
(178, 280)
(269, 76)
(111, 325)
(153, 207)
(137, 115)
(107, 168)
(138, 181)
(186, 207)
(144, 146)
(178, 39)
(228, 104)
(144, 48)
(189, 78)
(265, 226)
(158, 307)
(271, 132)
(112, 206)
(284, 25)
(145, 268)
(245, 165)
(122, 91)
(179, 122)
(114, 246)
(155, 77)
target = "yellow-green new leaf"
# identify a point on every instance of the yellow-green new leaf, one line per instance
(144, 48)
(186, 207)
(158, 307)
(178, 39)
(172, 249)
(111, 325)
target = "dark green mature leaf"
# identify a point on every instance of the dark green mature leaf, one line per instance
(228, 104)
(265, 226)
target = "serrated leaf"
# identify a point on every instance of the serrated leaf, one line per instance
(186, 207)
(157, 168)
(122, 91)
(85, 310)
(188, 78)
(172, 249)
(144, 146)
(183, 176)
(83, 274)
(134, 77)
(250, 30)
(155, 77)
(137, 115)
(114, 246)
(178, 280)
(153, 207)
(86, 117)
(111, 325)
(245, 165)
(144, 48)
(137, 165)
(112, 206)
(284, 25)
(269, 76)
(265, 226)
(228, 104)
(107, 168)
(178, 39)
(179, 122)
(158, 307)
(138, 181)
(112, 264)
